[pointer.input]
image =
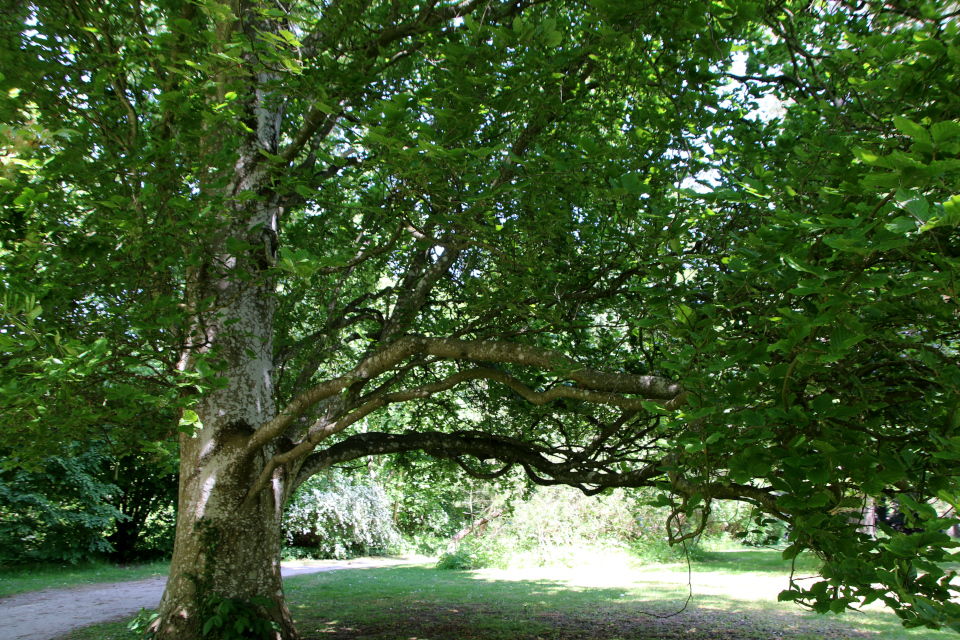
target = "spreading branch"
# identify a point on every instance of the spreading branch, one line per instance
(490, 351)
(591, 476)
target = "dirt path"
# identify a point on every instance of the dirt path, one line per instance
(47, 614)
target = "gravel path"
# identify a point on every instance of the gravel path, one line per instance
(47, 614)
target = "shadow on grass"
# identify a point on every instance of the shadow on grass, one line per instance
(417, 603)
(608, 602)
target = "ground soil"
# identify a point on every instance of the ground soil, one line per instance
(47, 614)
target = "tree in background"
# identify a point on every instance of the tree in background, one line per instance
(434, 501)
(563, 236)
(59, 514)
(146, 499)
(88, 505)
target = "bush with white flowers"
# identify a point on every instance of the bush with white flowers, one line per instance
(336, 515)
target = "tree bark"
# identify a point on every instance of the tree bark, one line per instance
(223, 547)
(227, 545)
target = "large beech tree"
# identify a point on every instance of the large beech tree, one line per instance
(704, 246)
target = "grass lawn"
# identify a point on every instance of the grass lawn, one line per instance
(735, 596)
(21, 578)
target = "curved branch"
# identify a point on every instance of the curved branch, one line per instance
(612, 387)
(539, 467)
(322, 430)
(482, 447)
(482, 476)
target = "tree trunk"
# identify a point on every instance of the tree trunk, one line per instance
(228, 543)
(868, 519)
(223, 546)
(124, 540)
(477, 527)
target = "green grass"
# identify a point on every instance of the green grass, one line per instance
(606, 603)
(22, 578)
(734, 599)
(755, 560)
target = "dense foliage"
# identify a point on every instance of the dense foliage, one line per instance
(89, 506)
(59, 514)
(707, 247)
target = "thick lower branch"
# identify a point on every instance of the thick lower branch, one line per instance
(481, 447)
(647, 387)
(322, 430)
(542, 469)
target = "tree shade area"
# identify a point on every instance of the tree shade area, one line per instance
(705, 247)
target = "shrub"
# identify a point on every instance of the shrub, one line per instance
(563, 516)
(562, 526)
(473, 555)
(555, 526)
(764, 532)
(340, 516)
(235, 619)
(658, 551)
(425, 544)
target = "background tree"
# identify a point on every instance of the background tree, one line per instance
(562, 234)
(59, 514)
(147, 500)
(86, 504)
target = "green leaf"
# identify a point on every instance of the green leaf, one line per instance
(843, 338)
(868, 157)
(902, 224)
(189, 422)
(950, 217)
(26, 197)
(911, 129)
(951, 208)
(913, 203)
(632, 183)
(799, 266)
(789, 596)
(212, 621)
(33, 313)
(945, 131)
(685, 314)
